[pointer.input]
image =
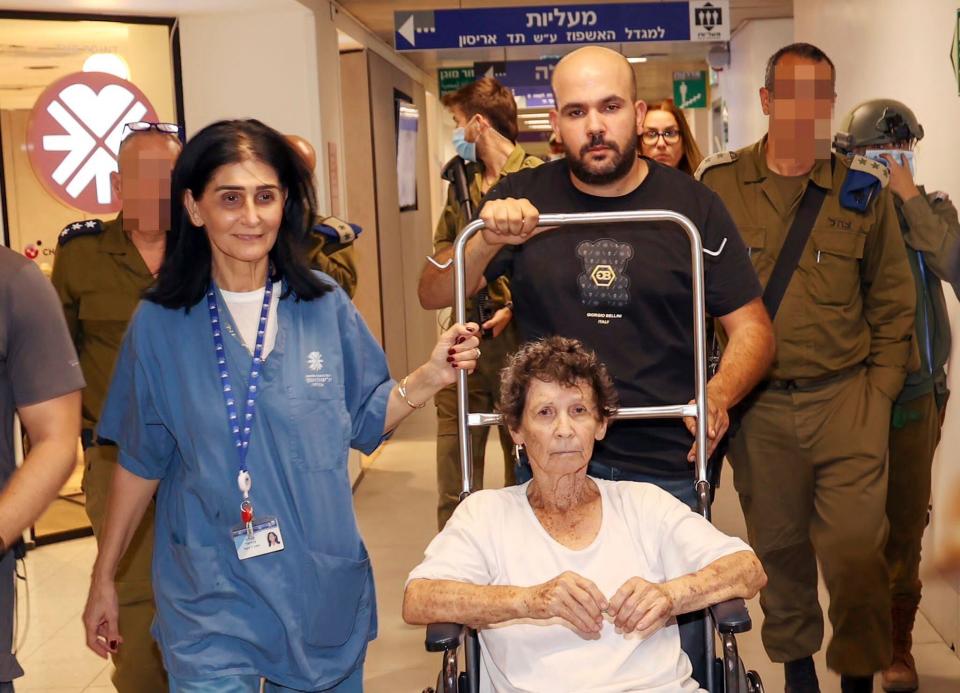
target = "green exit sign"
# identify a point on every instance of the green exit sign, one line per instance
(690, 89)
(452, 78)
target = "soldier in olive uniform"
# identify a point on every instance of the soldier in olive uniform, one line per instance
(809, 458)
(100, 273)
(887, 129)
(486, 117)
(333, 252)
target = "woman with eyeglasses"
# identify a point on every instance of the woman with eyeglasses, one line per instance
(667, 138)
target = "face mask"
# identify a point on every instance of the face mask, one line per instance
(466, 150)
(901, 156)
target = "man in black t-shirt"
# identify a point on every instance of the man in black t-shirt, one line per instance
(626, 289)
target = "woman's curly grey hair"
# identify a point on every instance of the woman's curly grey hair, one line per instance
(553, 360)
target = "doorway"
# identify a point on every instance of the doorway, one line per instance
(68, 84)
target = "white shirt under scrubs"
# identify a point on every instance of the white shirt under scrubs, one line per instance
(494, 538)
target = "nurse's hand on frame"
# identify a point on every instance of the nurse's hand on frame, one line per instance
(458, 349)
(100, 618)
(509, 221)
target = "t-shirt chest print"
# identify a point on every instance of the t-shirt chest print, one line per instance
(604, 280)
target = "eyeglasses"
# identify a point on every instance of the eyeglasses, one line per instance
(144, 126)
(670, 136)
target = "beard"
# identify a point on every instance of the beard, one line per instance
(608, 172)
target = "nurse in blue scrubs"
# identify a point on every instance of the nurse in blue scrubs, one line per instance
(244, 379)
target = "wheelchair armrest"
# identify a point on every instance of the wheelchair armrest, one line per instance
(442, 637)
(731, 616)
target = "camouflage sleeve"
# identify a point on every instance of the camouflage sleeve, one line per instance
(934, 231)
(336, 259)
(888, 309)
(68, 298)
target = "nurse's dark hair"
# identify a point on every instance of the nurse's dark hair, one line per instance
(185, 275)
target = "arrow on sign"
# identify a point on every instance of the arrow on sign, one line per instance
(408, 31)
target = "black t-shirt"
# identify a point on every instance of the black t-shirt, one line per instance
(625, 290)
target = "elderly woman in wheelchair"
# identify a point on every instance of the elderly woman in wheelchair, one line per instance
(574, 582)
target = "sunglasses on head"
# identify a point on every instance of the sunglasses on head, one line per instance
(144, 126)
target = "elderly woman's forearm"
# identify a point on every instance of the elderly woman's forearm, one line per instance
(738, 575)
(448, 601)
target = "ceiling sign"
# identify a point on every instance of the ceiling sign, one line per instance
(545, 25)
(74, 133)
(529, 80)
(451, 79)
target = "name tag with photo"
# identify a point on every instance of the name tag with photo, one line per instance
(266, 538)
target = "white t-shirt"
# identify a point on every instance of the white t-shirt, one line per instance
(245, 310)
(494, 538)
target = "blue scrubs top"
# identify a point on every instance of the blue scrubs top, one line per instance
(302, 617)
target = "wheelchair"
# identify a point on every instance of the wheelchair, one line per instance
(725, 672)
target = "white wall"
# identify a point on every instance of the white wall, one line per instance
(888, 48)
(255, 65)
(750, 48)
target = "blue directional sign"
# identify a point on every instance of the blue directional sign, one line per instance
(697, 20)
(517, 73)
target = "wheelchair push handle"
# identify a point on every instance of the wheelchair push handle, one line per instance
(698, 409)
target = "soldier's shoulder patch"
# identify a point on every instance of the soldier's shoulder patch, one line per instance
(864, 180)
(869, 166)
(718, 159)
(337, 230)
(91, 227)
(938, 196)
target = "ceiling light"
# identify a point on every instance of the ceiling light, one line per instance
(526, 116)
(107, 62)
(640, 59)
(531, 123)
(541, 127)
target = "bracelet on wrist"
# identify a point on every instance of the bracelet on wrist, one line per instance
(402, 389)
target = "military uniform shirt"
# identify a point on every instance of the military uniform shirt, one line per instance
(851, 298)
(100, 277)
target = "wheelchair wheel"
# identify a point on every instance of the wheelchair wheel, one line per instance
(754, 684)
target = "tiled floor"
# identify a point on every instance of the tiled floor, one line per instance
(396, 507)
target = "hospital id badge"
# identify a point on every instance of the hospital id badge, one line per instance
(266, 538)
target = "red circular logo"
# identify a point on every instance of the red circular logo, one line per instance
(74, 133)
(31, 251)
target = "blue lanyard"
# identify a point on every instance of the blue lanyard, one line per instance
(241, 435)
